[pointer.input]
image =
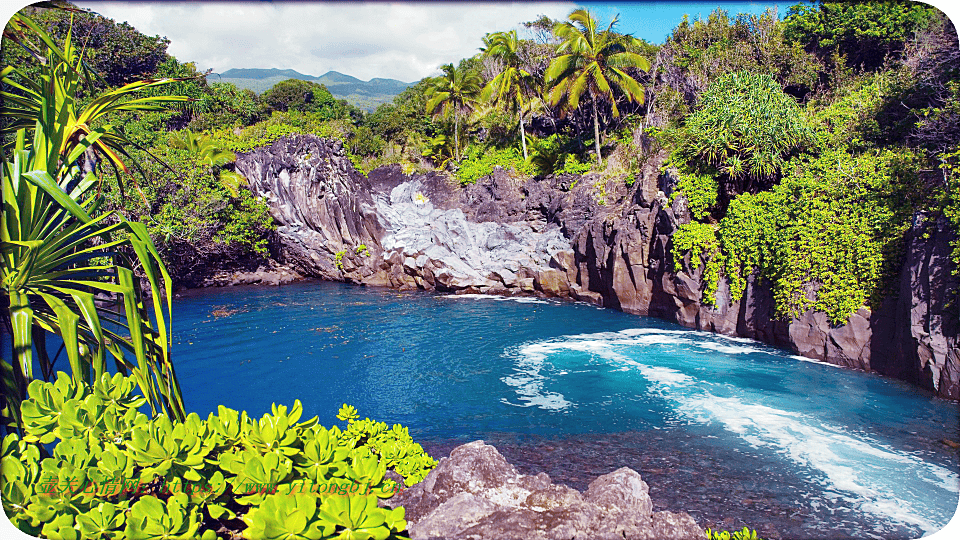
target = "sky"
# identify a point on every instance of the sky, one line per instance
(402, 40)
(397, 40)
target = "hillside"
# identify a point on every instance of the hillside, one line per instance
(366, 95)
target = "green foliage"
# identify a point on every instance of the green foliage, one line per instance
(745, 127)
(455, 93)
(225, 105)
(116, 51)
(865, 32)
(302, 96)
(595, 63)
(700, 191)
(480, 161)
(199, 214)
(849, 117)
(115, 473)
(828, 236)
(950, 195)
(744, 534)
(59, 250)
(511, 87)
(699, 52)
(700, 239)
(556, 154)
(338, 259)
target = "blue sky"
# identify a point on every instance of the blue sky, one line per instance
(653, 21)
(405, 41)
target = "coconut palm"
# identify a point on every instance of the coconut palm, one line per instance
(511, 86)
(455, 93)
(60, 257)
(592, 63)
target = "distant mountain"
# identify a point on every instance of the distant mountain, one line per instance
(365, 95)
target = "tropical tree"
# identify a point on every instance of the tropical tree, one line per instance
(511, 86)
(60, 258)
(455, 92)
(205, 150)
(592, 62)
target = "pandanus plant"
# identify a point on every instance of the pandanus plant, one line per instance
(66, 268)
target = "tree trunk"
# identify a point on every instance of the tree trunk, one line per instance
(523, 137)
(456, 135)
(596, 130)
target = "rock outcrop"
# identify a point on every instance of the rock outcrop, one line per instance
(586, 238)
(476, 494)
(323, 207)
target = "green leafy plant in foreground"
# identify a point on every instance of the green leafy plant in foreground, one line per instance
(58, 251)
(116, 473)
(743, 534)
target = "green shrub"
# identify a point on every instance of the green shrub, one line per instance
(950, 164)
(849, 119)
(556, 155)
(743, 534)
(700, 239)
(865, 32)
(828, 237)
(745, 127)
(480, 161)
(115, 473)
(700, 191)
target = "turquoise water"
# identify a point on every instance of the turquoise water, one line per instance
(732, 431)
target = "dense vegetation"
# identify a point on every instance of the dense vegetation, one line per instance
(743, 106)
(81, 458)
(116, 473)
(805, 148)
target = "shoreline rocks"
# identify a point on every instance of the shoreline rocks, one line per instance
(556, 237)
(476, 494)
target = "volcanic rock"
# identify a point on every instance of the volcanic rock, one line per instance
(476, 494)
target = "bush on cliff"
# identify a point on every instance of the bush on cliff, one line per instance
(827, 238)
(744, 131)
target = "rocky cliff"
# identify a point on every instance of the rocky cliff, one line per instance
(584, 238)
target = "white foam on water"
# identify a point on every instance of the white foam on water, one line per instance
(518, 299)
(865, 473)
(726, 349)
(812, 361)
(528, 381)
(869, 472)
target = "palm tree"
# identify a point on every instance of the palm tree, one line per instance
(455, 92)
(510, 87)
(592, 62)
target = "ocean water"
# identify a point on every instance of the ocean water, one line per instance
(732, 431)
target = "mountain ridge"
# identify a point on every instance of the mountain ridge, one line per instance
(367, 95)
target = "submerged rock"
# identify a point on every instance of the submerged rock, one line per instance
(476, 494)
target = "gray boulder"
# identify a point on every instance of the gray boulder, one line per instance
(476, 494)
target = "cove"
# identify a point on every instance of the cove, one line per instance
(733, 432)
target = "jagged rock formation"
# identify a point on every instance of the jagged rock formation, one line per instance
(556, 236)
(476, 494)
(322, 205)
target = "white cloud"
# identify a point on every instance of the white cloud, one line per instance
(403, 41)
